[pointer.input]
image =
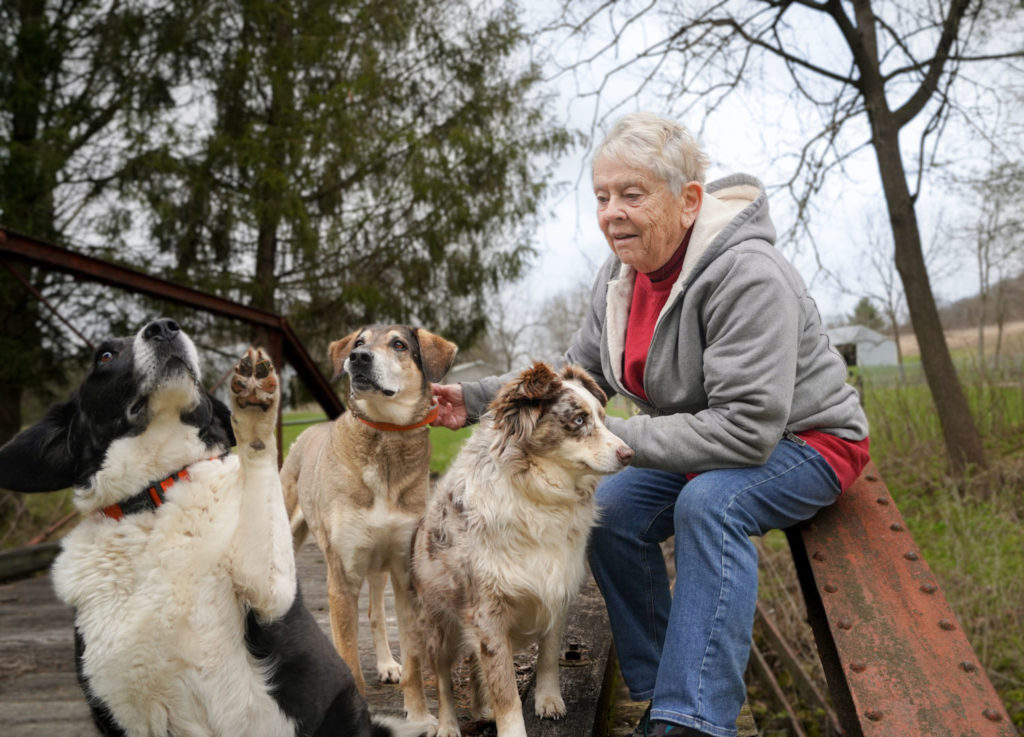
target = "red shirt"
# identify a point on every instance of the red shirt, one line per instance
(650, 293)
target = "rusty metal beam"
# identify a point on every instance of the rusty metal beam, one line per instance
(39, 253)
(19, 247)
(295, 353)
(897, 661)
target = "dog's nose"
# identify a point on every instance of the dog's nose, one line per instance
(624, 454)
(164, 329)
(360, 357)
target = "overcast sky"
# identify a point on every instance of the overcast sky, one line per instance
(755, 128)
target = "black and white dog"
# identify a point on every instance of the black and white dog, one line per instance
(188, 619)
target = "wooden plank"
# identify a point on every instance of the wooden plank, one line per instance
(586, 649)
(587, 643)
(897, 660)
(39, 692)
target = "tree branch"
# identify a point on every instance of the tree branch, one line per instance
(737, 29)
(950, 27)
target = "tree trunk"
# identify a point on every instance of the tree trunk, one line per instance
(279, 114)
(963, 443)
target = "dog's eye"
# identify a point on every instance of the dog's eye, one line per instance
(579, 420)
(107, 356)
(358, 343)
(399, 345)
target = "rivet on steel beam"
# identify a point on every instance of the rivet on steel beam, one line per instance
(968, 666)
(992, 715)
(896, 527)
(883, 501)
(874, 715)
(946, 625)
(818, 555)
(845, 623)
(929, 588)
(871, 477)
(831, 588)
(911, 555)
(858, 667)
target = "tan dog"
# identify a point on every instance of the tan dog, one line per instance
(499, 555)
(361, 484)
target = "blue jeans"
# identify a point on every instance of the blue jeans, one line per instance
(688, 653)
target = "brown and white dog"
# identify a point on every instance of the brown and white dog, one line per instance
(361, 484)
(500, 554)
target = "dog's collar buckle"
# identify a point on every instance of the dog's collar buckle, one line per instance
(387, 426)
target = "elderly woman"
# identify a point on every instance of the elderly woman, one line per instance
(746, 421)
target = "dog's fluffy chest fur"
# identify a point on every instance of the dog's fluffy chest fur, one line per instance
(143, 551)
(144, 588)
(523, 542)
(393, 471)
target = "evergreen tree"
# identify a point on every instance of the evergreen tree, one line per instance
(865, 313)
(364, 161)
(76, 79)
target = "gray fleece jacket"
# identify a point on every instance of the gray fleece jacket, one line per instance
(738, 356)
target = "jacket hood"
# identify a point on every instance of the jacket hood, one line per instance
(734, 211)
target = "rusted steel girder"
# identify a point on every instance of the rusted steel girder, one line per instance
(286, 346)
(897, 661)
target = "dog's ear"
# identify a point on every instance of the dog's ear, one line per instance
(437, 354)
(572, 372)
(339, 350)
(41, 457)
(520, 402)
(213, 419)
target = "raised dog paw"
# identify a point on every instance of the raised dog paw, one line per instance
(255, 392)
(549, 706)
(255, 381)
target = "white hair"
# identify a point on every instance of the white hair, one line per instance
(660, 145)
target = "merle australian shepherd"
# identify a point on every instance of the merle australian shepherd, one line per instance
(188, 619)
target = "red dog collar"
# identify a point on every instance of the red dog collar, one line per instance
(147, 500)
(431, 416)
(150, 498)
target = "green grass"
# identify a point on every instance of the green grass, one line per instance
(444, 446)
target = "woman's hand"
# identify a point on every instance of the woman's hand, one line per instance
(451, 407)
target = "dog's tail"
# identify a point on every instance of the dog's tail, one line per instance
(382, 726)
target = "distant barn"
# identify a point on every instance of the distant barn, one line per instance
(862, 346)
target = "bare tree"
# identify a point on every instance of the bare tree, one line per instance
(879, 280)
(559, 317)
(885, 75)
(509, 325)
(998, 248)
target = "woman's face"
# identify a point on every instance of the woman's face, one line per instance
(642, 220)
